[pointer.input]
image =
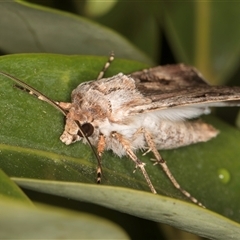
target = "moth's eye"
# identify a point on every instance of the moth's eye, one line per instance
(87, 129)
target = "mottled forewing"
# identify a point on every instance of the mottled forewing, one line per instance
(181, 85)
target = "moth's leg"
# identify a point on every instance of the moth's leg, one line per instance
(159, 160)
(100, 149)
(106, 66)
(127, 146)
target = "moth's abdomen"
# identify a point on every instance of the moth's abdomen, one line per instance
(171, 135)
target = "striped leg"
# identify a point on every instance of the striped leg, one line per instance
(159, 160)
(100, 150)
(127, 146)
(106, 66)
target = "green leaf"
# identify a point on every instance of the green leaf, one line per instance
(204, 34)
(9, 189)
(26, 27)
(18, 221)
(154, 207)
(30, 145)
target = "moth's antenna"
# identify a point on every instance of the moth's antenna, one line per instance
(35, 92)
(106, 66)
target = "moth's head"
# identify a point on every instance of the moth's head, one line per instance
(76, 130)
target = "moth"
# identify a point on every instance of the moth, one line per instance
(149, 110)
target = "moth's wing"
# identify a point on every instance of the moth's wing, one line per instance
(168, 78)
(183, 88)
(181, 85)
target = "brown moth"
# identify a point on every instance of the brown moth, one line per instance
(147, 110)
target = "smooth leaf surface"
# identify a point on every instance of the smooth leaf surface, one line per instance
(26, 27)
(205, 34)
(42, 222)
(185, 216)
(10, 190)
(30, 145)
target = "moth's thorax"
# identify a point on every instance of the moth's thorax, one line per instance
(108, 98)
(104, 104)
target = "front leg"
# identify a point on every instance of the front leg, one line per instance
(100, 149)
(127, 146)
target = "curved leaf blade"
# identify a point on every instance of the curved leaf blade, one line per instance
(8, 189)
(44, 222)
(188, 217)
(27, 27)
